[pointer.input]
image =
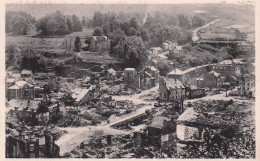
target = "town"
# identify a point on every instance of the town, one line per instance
(115, 97)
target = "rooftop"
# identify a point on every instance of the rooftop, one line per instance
(173, 83)
(158, 122)
(79, 93)
(176, 71)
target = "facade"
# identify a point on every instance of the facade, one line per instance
(21, 90)
(131, 78)
(210, 80)
(162, 132)
(99, 43)
(247, 85)
(156, 51)
(233, 67)
(32, 145)
(195, 92)
(171, 89)
(110, 74)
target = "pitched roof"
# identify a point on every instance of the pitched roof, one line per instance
(190, 115)
(158, 122)
(16, 75)
(79, 93)
(25, 71)
(156, 48)
(111, 71)
(10, 80)
(129, 69)
(176, 71)
(14, 87)
(21, 83)
(214, 73)
(173, 83)
(100, 38)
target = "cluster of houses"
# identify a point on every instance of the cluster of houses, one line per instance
(178, 84)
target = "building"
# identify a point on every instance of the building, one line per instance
(245, 46)
(247, 85)
(210, 80)
(110, 74)
(188, 130)
(199, 82)
(131, 78)
(233, 67)
(195, 92)
(82, 96)
(156, 51)
(153, 71)
(171, 89)
(162, 132)
(20, 90)
(26, 73)
(30, 144)
(99, 44)
(177, 74)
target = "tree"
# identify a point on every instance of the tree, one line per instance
(132, 50)
(18, 22)
(76, 23)
(32, 60)
(55, 24)
(183, 21)
(197, 21)
(42, 108)
(77, 44)
(98, 31)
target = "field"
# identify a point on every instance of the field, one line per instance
(225, 28)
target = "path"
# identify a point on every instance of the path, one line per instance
(195, 36)
(76, 135)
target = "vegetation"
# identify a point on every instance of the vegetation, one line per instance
(57, 24)
(18, 22)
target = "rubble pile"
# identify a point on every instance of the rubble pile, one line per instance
(231, 133)
(101, 146)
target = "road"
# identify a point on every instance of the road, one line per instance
(195, 36)
(76, 135)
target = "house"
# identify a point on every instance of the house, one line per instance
(210, 80)
(171, 89)
(110, 74)
(247, 85)
(188, 130)
(233, 67)
(156, 51)
(26, 73)
(21, 109)
(131, 78)
(177, 49)
(31, 144)
(177, 74)
(130, 74)
(245, 46)
(195, 92)
(99, 43)
(165, 46)
(199, 82)
(147, 80)
(153, 71)
(83, 96)
(162, 132)
(22, 90)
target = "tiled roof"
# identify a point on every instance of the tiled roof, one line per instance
(173, 83)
